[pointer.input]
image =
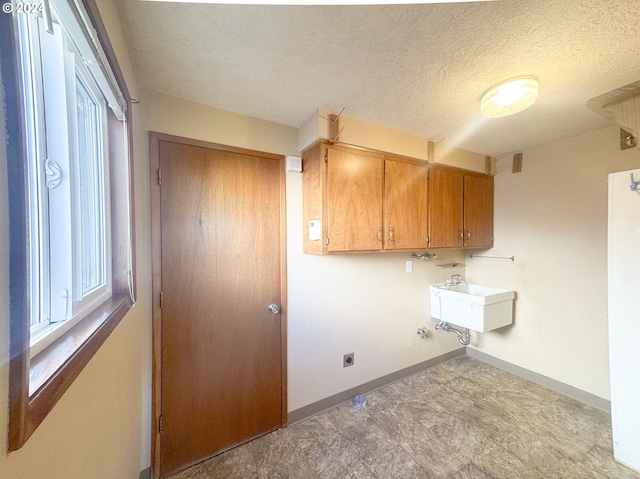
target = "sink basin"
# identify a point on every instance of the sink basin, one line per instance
(475, 306)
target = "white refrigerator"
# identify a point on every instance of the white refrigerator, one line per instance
(624, 314)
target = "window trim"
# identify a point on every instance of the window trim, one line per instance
(26, 411)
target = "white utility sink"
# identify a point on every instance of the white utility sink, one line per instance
(474, 306)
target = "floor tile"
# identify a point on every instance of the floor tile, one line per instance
(602, 461)
(235, 464)
(315, 429)
(463, 436)
(275, 455)
(345, 415)
(501, 464)
(471, 471)
(462, 419)
(438, 458)
(474, 390)
(333, 459)
(370, 440)
(397, 463)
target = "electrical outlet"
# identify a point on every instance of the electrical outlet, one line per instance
(348, 360)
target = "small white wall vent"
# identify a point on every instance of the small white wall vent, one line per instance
(294, 164)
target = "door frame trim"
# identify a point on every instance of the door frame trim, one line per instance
(156, 278)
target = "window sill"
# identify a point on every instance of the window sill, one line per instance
(52, 371)
(45, 364)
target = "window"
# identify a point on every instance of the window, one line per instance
(69, 195)
(70, 214)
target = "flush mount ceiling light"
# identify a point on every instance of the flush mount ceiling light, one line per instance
(509, 97)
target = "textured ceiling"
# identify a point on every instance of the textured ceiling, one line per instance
(420, 69)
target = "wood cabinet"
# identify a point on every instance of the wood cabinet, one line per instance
(405, 204)
(355, 200)
(460, 209)
(478, 211)
(446, 215)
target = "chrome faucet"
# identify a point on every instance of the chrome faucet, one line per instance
(455, 279)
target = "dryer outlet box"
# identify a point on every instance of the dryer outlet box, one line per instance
(348, 360)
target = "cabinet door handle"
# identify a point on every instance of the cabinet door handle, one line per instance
(468, 234)
(391, 234)
(379, 234)
(461, 233)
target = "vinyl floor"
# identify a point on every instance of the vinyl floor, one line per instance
(461, 419)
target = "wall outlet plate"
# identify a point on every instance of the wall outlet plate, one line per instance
(315, 230)
(348, 360)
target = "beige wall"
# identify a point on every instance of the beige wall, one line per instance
(176, 116)
(365, 304)
(553, 217)
(96, 429)
(356, 132)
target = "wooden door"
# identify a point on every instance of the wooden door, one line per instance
(405, 205)
(478, 211)
(220, 361)
(354, 197)
(445, 208)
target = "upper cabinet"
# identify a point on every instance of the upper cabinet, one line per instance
(353, 200)
(405, 204)
(356, 200)
(446, 215)
(460, 208)
(478, 211)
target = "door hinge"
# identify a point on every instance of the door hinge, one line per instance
(326, 155)
(161, 299)
(160, 424)
(159, 177)
(326, 240)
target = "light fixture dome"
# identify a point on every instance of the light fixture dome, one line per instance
(509, 97)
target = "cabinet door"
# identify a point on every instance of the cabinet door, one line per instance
(478, 211)
(446, 208)
(354, 197)
(405, 205)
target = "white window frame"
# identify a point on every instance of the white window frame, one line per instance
(84, 301)
(35, 147)
(53, 67)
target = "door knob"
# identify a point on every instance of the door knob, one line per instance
(274, 308)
